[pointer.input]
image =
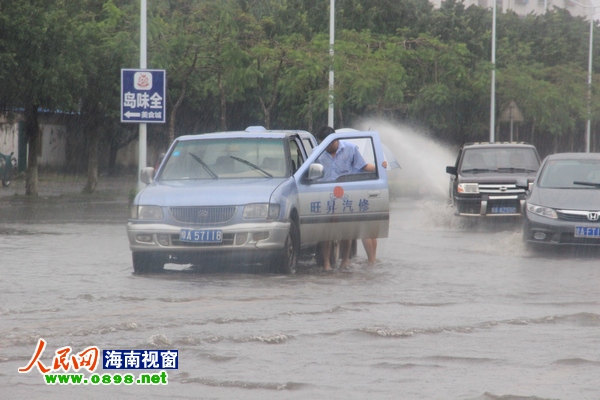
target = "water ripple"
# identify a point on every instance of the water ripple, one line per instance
(469, 360)
(159, 341)
(214, 357)
(410, 332)
(180, 300)
(7, 311)
(123, 326)
(189, 341)
(401, 303)
(320, 312)
(491, 396)
(580, 319)
(235, 320)
(394, 366)
(268, 339)
(245, 385)
(577, 361)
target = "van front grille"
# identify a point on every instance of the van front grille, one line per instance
(202, 215)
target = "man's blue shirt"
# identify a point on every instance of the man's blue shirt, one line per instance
(347, 160)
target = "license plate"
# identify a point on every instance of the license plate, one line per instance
(201, 235)
(587, 232)
(504, 210)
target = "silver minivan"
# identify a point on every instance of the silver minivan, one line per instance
(253, 196)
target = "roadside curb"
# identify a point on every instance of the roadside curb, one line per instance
(68, 188)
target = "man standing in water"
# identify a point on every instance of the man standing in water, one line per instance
(341, 158)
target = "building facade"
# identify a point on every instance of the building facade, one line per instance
(580, 8)
(62, 148)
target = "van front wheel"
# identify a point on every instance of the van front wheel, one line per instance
(287, 261)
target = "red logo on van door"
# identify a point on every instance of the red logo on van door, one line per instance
(338, 192)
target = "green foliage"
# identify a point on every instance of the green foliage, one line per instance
(40, 62)
(233, 63)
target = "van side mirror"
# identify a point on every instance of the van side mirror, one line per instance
(147, 175)
(451, 169)
(315, 171)
(523, 183)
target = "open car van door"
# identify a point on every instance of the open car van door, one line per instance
(354, 206)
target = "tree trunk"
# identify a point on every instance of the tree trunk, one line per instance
(269, 109)
(173, 116)
(223, 102)
(112, 158)
(310, 114)
(92, 167)
(267, 119)
(32, 133)
(572, 142)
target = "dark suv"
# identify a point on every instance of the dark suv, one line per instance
(490, 179)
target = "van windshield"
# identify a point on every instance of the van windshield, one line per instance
(502, 159)
(226, 158)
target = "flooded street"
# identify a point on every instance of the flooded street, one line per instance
(451, 311)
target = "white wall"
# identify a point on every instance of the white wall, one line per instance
(128, 155)
(9, 138)
(53, 146)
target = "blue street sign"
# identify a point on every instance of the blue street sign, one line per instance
(143, 95)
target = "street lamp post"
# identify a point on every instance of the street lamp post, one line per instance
(142, 128)
(493, 88)
(588, 127)
(331, 41)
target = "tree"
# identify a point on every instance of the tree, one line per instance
(370, 75)
(228, 34)
(179, 50)
(105, 47)
(42, 69)
(444, 90)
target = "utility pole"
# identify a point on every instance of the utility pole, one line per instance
(493, 89)
(142, 132)
(331, 41)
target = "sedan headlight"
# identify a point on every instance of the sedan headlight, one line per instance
(261, 210)
(472, 188)
(147, 212)
(542, 211)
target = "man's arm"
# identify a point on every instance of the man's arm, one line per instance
(371, 167)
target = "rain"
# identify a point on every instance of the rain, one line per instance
(454, 308)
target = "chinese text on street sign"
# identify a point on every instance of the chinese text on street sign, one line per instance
(143, 96)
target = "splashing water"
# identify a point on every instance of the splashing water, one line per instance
(422, 159)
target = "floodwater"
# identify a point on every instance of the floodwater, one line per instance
(451, 311)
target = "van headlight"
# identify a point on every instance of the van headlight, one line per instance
(147, 212)
(261, 210)
(470, 188)
(542, 211)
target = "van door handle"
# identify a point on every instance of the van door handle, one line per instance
(373, 194)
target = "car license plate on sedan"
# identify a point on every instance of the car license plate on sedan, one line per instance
(504, 210)
(201, 235)
(587, 232)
